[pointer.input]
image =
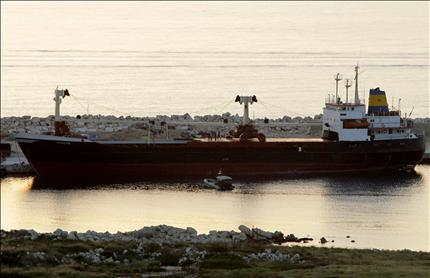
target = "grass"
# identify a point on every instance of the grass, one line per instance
(222, 260)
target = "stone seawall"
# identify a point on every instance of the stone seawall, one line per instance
(160, 127)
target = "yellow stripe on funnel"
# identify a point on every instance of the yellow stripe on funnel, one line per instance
(378, 100)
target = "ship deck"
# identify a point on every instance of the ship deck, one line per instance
(25, 137)
(268, 140)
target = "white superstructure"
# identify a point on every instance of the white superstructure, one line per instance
(344, 121)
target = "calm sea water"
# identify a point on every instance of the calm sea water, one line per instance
(173, 58)
(390, 212)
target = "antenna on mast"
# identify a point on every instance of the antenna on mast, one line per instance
(348, 84)
(398, 107)
(337, 77)
(411, 111)
(356, 98)
(364, 96)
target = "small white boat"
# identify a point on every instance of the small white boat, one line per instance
(220, 183)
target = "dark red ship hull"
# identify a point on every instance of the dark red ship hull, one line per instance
(63, 161)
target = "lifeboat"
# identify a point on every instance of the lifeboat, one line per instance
(355, 124)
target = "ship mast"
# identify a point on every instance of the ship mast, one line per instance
(337, 77)
(246, 100)
(356, 98)
(347, 85)
(58, 95)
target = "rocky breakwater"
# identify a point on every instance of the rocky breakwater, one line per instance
(161, 127)
(162, 234)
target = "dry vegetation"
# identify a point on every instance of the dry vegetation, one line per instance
(21, 258)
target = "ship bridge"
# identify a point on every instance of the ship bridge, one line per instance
(345, 122)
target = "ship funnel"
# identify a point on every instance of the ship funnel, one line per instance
(377, 102)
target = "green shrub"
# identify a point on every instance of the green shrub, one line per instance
(11, 258)
(170, 256)
(224, 261)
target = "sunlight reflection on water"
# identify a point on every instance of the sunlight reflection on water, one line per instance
(389, 212)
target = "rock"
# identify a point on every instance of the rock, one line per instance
(41, 256)
(191, 231)
(295, 258)
(245, 230)
(160, 235)
(291, 238)
(187, 117)
(33, 234)
(60, 233)
(73, 235)
(260, 234)
(267, 255)
(145, 232)
(305, 239)
(323, 240)
(239, 237)
(278, 235)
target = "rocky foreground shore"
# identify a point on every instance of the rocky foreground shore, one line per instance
(175, 252)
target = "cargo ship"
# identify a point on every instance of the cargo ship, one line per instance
(352, 140)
